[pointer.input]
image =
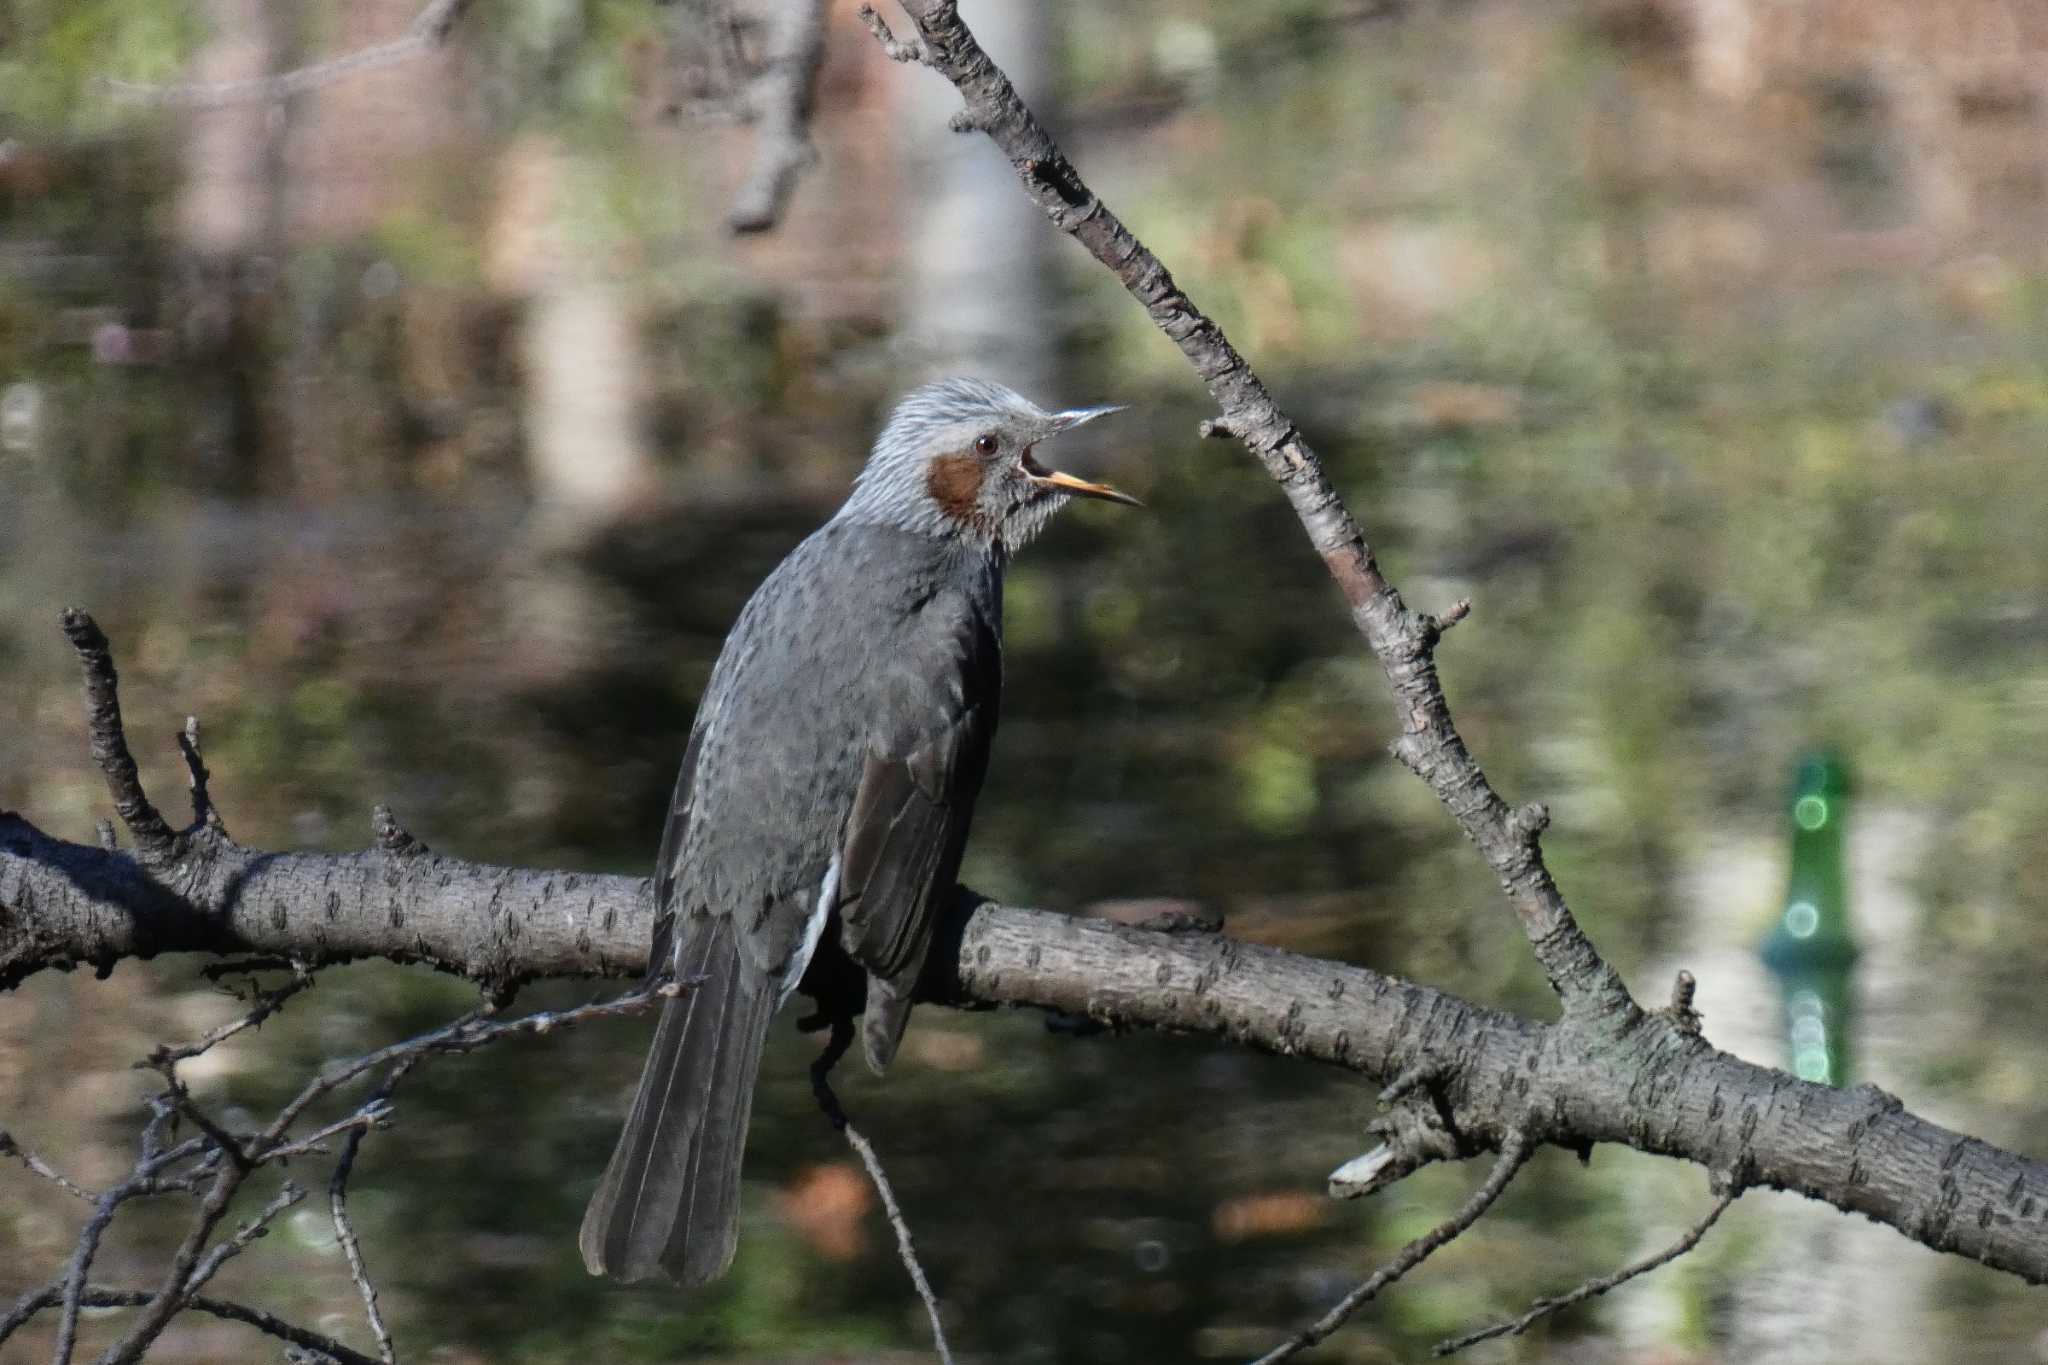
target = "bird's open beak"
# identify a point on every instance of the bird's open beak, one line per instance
(1067, 483)
(1074, 417)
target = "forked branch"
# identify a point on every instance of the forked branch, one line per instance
(1593, 1288)
(1514, 1153)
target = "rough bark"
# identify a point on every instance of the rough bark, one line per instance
(1657, 1086)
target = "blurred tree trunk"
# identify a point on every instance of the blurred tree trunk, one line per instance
(977, 298)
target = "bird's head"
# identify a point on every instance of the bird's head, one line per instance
(958, 460)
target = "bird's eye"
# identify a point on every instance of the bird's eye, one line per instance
(986, 443)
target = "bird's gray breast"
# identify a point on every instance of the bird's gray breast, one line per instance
(852, 645)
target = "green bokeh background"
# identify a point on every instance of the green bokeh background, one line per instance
(1734, 441)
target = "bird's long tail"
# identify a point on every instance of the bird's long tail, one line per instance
(669, 1200)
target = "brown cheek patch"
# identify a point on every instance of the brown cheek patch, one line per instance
(955, 485)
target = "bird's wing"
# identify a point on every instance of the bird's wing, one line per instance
(900, 852)
(669, 860)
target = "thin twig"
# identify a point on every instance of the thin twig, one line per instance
(188, 1269)
(1513, 1153)
(465, 1034)
(224, 1142)
(836, 1046)
(374, 1112)
(170, 1298)
(428, 30)
(1593, 1288)
(9, 1147)
(908, 1253)
(344, 1227)
(75, 1273)
(38, 1300)
(267, 1004)
(155, 842)
(289, 1195)
(204, 814)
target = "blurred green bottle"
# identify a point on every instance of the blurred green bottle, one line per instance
(1811, 949)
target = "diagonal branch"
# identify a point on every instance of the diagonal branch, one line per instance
(9, 1147)
(1404, 641)
(1514, 1153)
(345, 1228)
(1595, 1287)
(95, 1297)
(828, 1101)
(905, 1251)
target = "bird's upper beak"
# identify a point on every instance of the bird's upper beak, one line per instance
(1067, 483)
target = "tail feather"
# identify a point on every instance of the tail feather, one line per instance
(669, 1199)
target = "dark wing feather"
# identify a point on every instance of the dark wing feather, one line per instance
(665, 862)
(899, 856)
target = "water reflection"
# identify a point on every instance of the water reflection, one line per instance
(404, 518)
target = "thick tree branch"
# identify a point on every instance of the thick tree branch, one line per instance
(1656, 1087)
(1404, 641)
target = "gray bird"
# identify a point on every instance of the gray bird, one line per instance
(825, 796)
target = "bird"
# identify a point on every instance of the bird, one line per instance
(824, 797)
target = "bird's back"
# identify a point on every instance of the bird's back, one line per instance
(865, 639)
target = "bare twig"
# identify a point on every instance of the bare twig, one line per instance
(170, 1297)
(1402, 640)
(779, 101)
(224, 1163)
(288, 1196)
(1593, 1288)
(1513, 1153)
(465, 1034)
(836, 1045)
(155, 842)
(904, 1249)
(344, 1227)
(75, 1273)
(49, 1296)
(374, 1112)
(267, 1004)
(9, 1147)
(203, 812)
(429, 29)
(1459, 610)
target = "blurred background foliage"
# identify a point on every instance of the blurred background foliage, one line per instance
(423, 435)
